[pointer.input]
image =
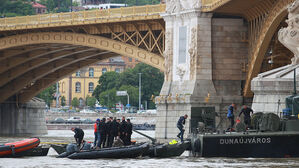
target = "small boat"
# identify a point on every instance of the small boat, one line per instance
(131, 151)
(166, 150)
(38, 151)
(59, 148)
(19, 148)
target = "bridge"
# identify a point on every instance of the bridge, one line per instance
(209, 51)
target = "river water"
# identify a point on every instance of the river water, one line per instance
(184, 161)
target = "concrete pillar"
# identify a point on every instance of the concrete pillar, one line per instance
(23, 119)
(190, 59)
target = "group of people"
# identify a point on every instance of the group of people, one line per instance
(107, 131)
(246, 111)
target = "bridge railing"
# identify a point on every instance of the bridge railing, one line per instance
(90, 15)
(210, 5)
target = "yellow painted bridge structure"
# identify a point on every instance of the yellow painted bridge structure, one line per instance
(36, 51)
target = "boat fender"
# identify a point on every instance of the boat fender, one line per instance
(173, 142)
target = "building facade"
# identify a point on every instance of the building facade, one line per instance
(82, 83)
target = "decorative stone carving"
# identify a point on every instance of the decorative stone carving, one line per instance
(193, 52)
(168, 54)
(175, 6)
(289, 36)
(180, 71)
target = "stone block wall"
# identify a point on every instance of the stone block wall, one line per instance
(23, 119)
(230, 53)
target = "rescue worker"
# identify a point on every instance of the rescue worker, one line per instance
(247, 119)
(109, 132)
(231, 116)
(129, 132)
(180, 125)
(79, 134)
(123, 130)
(97, 137)
(103, 133)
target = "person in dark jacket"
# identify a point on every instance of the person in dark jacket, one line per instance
(123, 130)
(231, 116)
(79, 134)
(103, 132)
(109, 132)
(97, 137)
(180, 125)
(129, 132)
(246, 111)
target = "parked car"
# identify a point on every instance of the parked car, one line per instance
(57, 121)
(88, 121)
(74, 120)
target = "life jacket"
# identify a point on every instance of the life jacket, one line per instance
(95, 126)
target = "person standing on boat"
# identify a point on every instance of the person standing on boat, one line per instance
(231, 116)
(123, 130)
(97, 136)
(129, 132)
(109, 132)
(79, 134)
(247, 119)
(103, 132)
(180, 125)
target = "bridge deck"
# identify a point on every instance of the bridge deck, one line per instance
(124, 14)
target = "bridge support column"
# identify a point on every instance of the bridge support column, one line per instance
(22, 120)
(192, 85)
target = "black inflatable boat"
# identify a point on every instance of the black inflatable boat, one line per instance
(131, 151)
(166, 150)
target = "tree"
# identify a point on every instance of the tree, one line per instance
(133, 95)
(90, 101)
(47, 95)
(107, 81)
(58, 5)
(16, 8)
(151, 81)
(75, 102)
(108, 98)
(110, 82)
(62, 101)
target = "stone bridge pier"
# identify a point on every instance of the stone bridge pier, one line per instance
(26, 119)
(204, 54)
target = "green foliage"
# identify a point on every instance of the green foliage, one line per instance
(151, 84)
(133, 95)
(107, 81)
(137, 2)
(16, 8)
(108, 98)
(90, 101)
(56, 6)
(47, 94)
(75, 102)
(62, 101)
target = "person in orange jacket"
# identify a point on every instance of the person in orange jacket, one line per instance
(97, 136)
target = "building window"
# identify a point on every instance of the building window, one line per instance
(90, 87)
(130, 59)
(182, 44)
(62, 87)
(81, 102)
(104, 70)
(78, 74)
(117, 70)
(91, 72)
(78, 87)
